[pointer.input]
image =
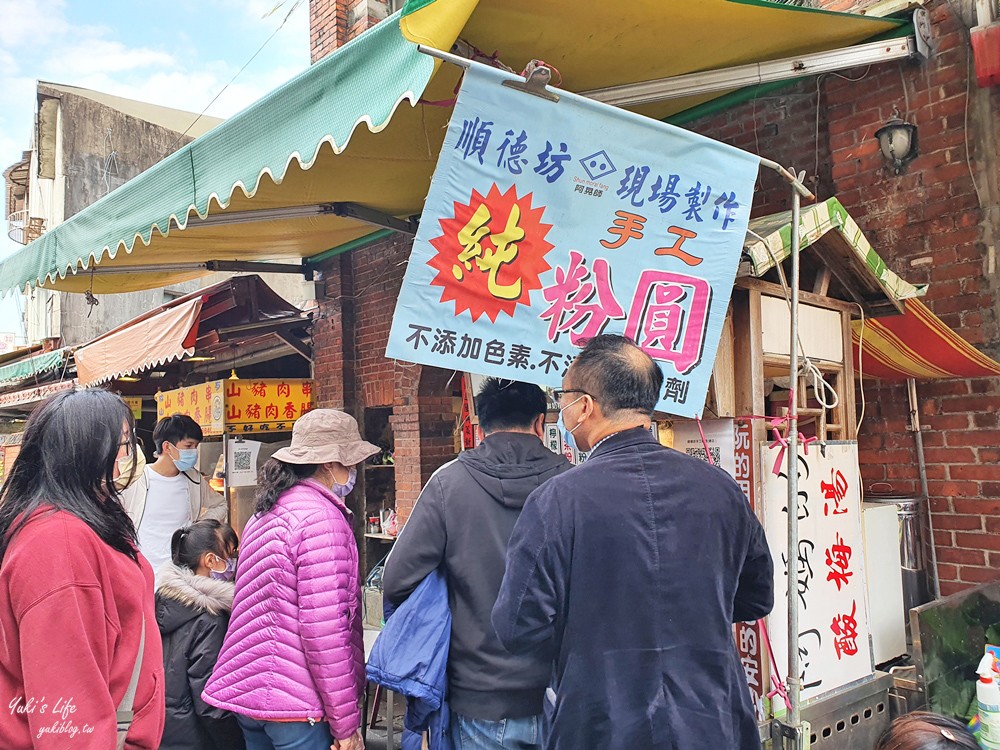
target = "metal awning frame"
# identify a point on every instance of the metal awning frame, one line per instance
(916, 47)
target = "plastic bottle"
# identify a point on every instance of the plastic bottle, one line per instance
(988, 696)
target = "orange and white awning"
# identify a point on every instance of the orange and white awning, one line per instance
(918, 345)
(163, 337)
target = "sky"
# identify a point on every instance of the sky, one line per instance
(180, 53)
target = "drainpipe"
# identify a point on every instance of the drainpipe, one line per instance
(911, 387)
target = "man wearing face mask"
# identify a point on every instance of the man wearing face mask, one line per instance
(631, 570)
(463, 520)
(170, 494)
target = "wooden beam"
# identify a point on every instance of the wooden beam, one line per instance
(304, 350)
(822, 285)
(775, 290)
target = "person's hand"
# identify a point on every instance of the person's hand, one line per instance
(354, 742)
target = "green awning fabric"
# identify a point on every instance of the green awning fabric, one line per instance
(840, 244)
(40, 364)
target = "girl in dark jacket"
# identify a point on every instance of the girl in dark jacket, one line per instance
(193, 603)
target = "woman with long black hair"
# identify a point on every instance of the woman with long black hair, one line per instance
(77, 621)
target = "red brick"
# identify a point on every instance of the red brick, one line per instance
(978, 575)
(960, 523)
(974, 438)
(980, 506)
(951, 587)
(971, 540)
(961, 556)
(975, 472)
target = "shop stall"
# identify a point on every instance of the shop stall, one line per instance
(244, 423)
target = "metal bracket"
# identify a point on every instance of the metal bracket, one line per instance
(786, 737)
(236, 266)
(371, 216)
(538, 77)
(922, 34)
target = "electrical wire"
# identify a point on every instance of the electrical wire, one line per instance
(239, 72)
(861, 371)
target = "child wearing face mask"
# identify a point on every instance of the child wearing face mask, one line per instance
(193, 603)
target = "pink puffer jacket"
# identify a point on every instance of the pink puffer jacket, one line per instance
(294, 649)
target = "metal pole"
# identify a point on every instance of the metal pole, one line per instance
(793, 682)
(911, 387)
(461, 62)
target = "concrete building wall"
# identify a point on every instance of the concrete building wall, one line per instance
(84, 149)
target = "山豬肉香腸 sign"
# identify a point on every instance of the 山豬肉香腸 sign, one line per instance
(240, 406)
(548, 223)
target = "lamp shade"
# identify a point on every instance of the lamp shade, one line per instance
(898, 142)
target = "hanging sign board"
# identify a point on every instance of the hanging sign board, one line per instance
(240, 406)
(243, 462)
(134, 405)
(833, 616)
(748, 634)
(204, 403)
(548, 223)
(719, 436)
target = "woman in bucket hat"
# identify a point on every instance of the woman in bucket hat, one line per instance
(292, 663)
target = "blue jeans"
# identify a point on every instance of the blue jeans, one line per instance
(507, 734)
(285, 735)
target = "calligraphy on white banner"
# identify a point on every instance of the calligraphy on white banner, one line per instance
(833, 617)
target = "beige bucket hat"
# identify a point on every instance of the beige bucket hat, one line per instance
(325, 435)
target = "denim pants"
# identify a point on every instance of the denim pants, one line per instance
(507, 734)
(285, 735)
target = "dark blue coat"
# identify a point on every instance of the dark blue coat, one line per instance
(410, 657)
(631, 570)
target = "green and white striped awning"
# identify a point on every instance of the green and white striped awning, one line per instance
(840, 244)
(39, 364)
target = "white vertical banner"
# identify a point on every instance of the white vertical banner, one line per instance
(833, 615)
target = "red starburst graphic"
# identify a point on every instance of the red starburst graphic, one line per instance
(491, 253)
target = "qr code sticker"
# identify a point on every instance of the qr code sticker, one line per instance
(700, 453)
(241, 461)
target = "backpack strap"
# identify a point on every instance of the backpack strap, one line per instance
(124, 713)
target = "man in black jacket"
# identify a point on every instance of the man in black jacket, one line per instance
(464, 519)
(633, 568)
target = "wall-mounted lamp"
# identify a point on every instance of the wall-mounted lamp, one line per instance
(898, 141)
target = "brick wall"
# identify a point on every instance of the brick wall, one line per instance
(927, 224)
(332, 23)
(929, 227)
(352, 325)
(353, 374)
